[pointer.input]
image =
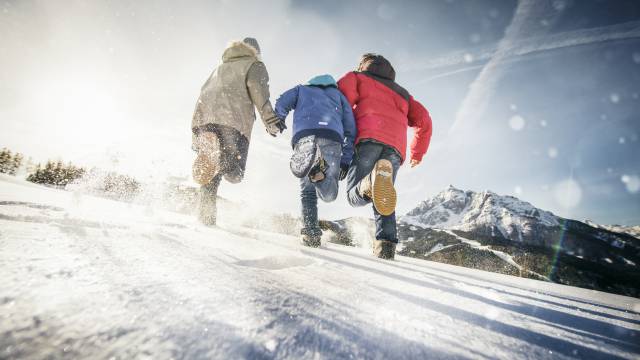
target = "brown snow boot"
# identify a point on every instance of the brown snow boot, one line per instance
(318, 170)
(378, 187)
(207, 163)
(384, 249)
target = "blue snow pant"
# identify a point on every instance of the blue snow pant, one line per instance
(367, 152)
(327, 189)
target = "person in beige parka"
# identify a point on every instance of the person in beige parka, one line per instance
(223, 120)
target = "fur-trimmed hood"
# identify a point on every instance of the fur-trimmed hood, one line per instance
(239, 49)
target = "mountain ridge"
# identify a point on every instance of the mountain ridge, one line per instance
(504, 234)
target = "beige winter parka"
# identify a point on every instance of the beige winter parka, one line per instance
(232, 91)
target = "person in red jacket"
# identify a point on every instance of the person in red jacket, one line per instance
(383, 110)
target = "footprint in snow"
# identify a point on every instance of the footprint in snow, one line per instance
(276, 262)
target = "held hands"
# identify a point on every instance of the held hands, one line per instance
(281, 126)
(414, 162)
(274, 126)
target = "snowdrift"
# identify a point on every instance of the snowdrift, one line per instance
(84, 277)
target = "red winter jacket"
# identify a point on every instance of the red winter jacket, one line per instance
(383, 110)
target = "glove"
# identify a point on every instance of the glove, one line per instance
(281, 126)
(344, 170)
(274, 126)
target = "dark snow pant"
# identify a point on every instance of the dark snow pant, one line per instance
(367, 152)
(234, 148)
(327, 189)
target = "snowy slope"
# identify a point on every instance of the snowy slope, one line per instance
(84, 277)
(630, 230)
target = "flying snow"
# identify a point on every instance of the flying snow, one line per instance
(559, 5)
(492, 313)
(614, 97)
(552, 152)
(568, 193)
(636, 57)
(631, 182)
(386, 12)
(516, 122)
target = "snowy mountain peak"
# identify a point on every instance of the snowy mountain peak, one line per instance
(497, 215)
(629, 230)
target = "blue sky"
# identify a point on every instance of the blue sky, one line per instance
(537, 99)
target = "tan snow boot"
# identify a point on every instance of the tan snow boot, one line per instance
(364, 187)
(384, 249)
(380, 187)
(207, 163)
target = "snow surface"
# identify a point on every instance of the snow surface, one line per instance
(84, 277)
(500, 254)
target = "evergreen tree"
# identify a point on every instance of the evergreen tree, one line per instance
(57, 174)
(15, 164)
(5, 160)
(36, 175)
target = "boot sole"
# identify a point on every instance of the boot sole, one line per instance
(304, 155)
(382, 191)
(206, 164)
(312, 243)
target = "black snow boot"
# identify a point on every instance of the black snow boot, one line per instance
(384, 249)
(304, 156)
(311, 241)
(311, 236)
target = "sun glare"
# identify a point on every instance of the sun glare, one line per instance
(79, 110)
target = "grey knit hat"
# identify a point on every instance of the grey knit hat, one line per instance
(252, 42)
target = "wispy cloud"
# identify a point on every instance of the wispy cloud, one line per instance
(474, 57)
(526, 21)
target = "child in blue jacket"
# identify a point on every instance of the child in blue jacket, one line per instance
(324, 131)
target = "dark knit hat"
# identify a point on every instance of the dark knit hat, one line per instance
(252, 42)
(377, 65)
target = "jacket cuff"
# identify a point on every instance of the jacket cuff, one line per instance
(416, 156)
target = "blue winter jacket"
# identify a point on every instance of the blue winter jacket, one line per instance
(321, 110)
